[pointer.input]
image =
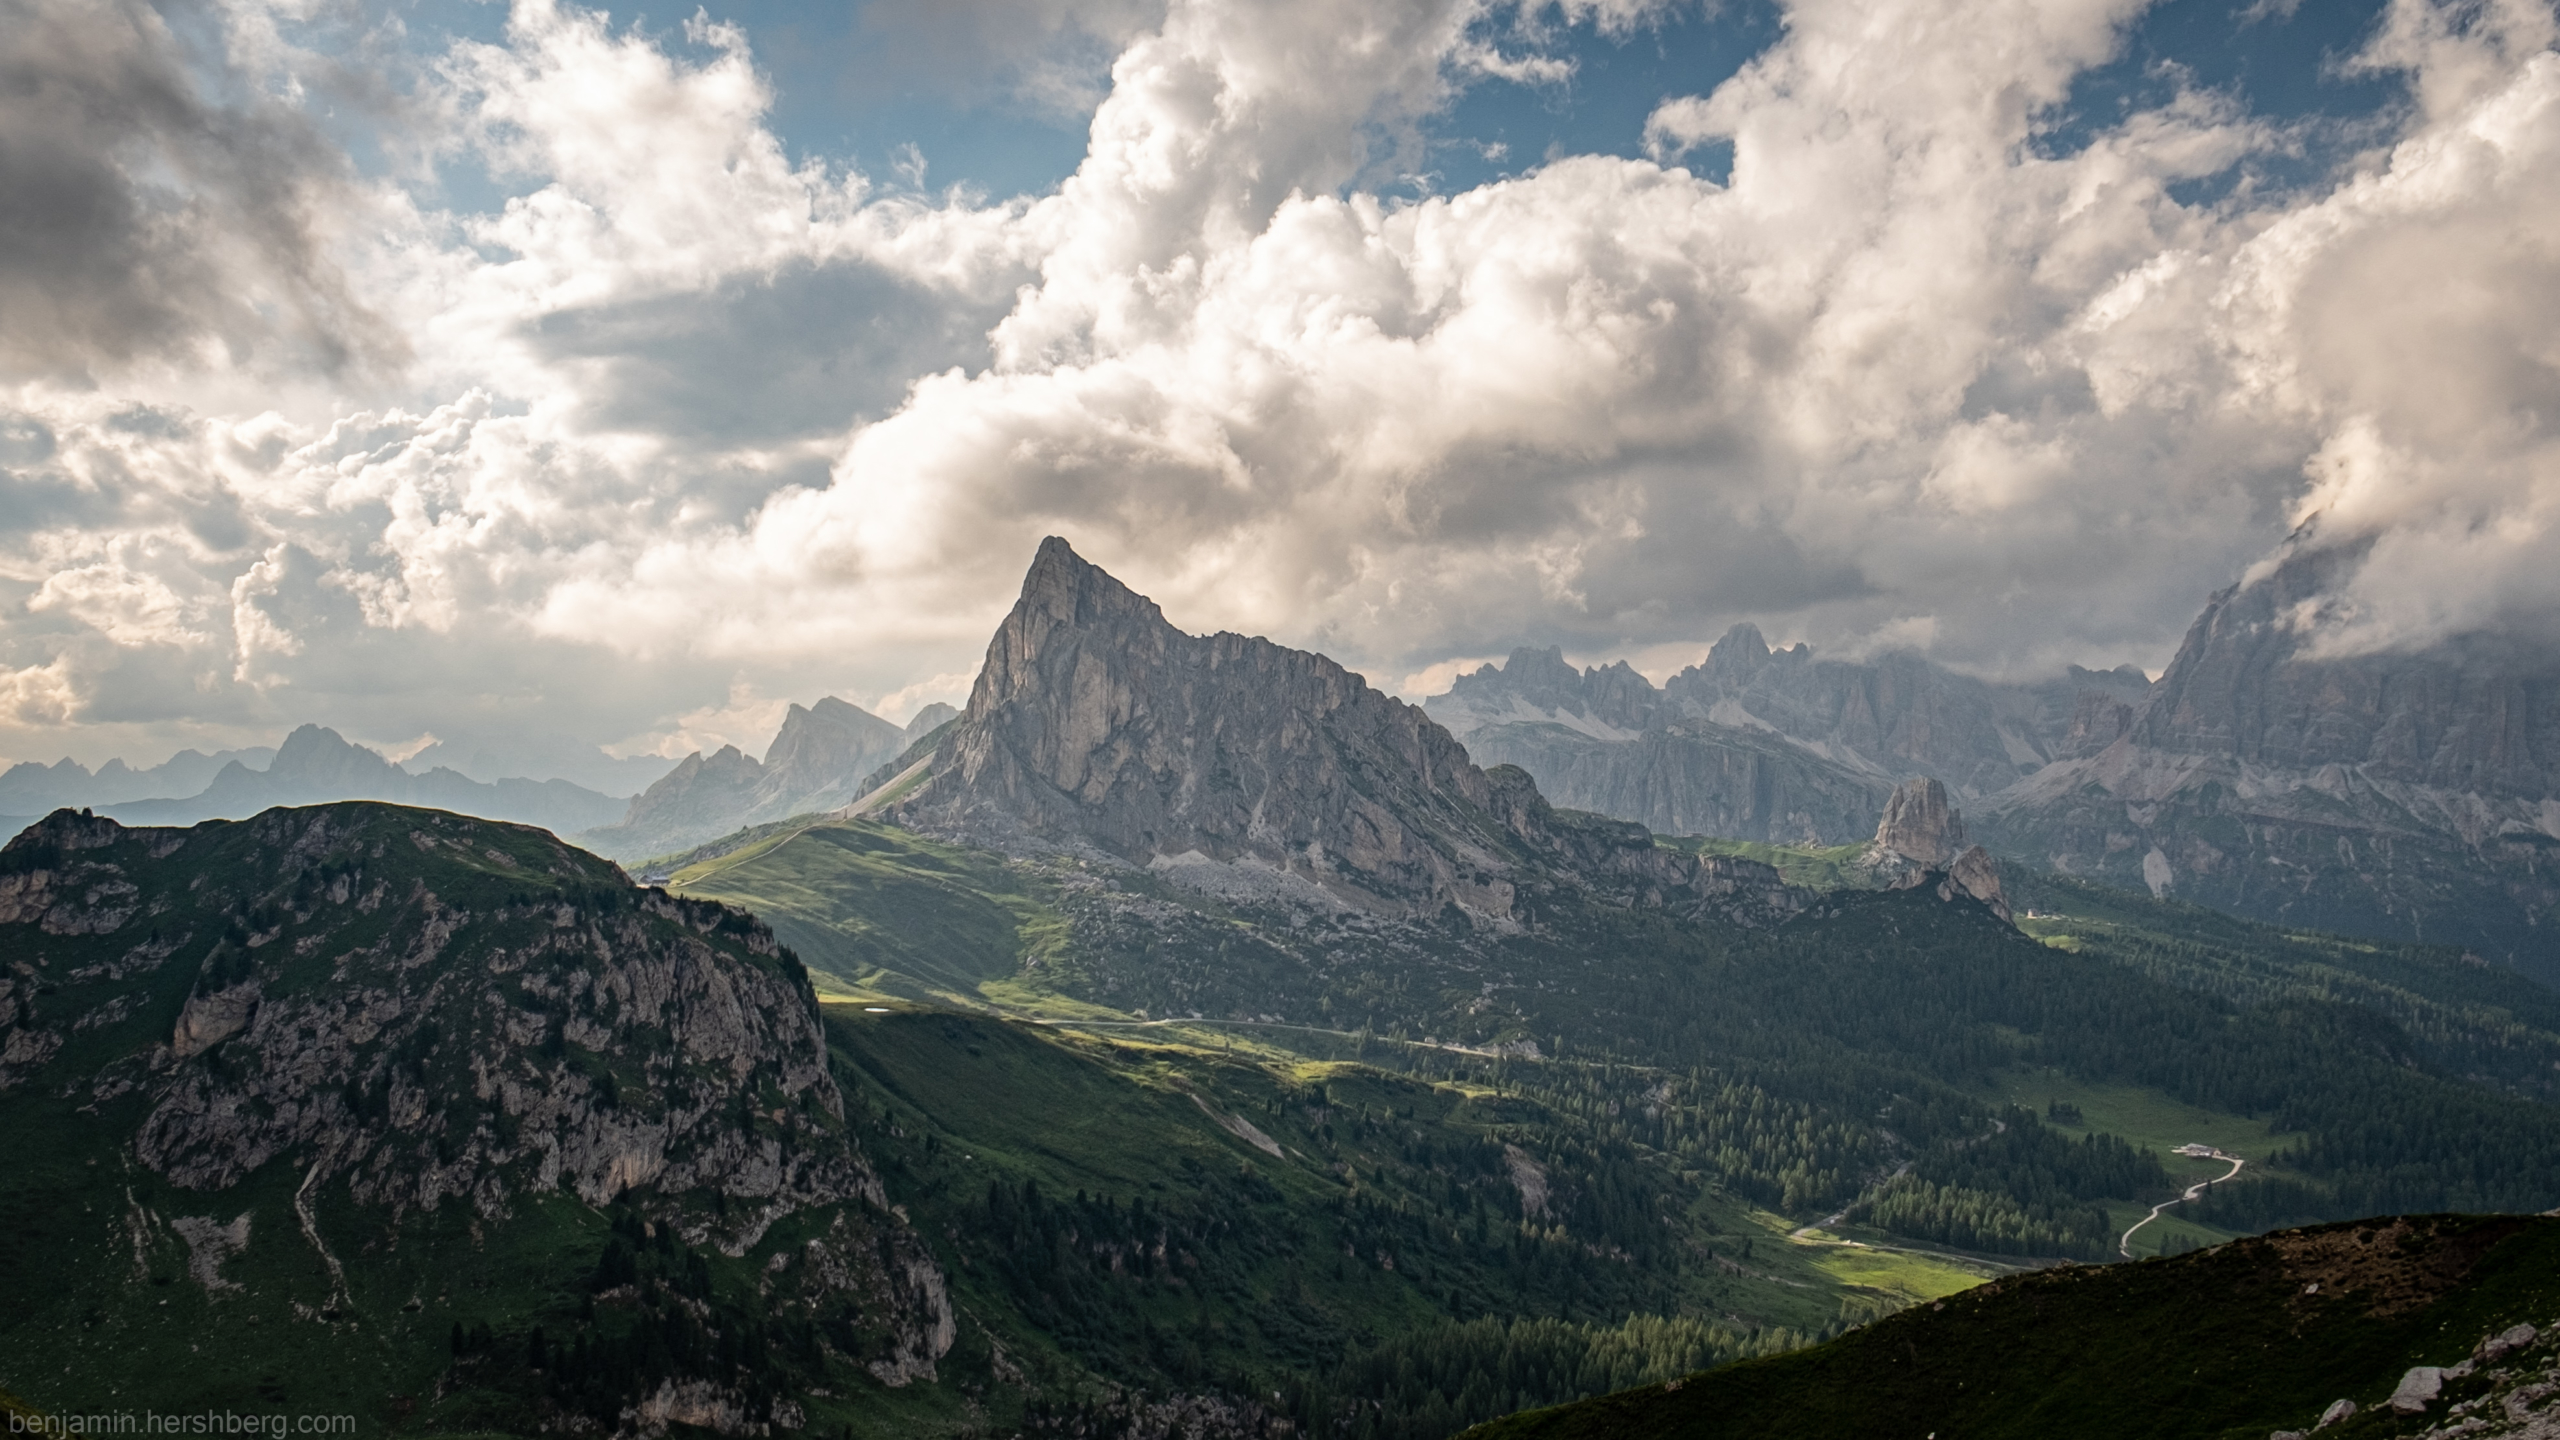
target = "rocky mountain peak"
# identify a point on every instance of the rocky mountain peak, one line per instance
(317, 757)
(1257, 772)
(2475, 713)
(817, 762)
(1532, 669)
(1742, 649)
(1920, 825)
(1922, 837)
(1096, 724)
(929, 719)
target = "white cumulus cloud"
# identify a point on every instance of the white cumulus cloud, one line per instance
(695, 425)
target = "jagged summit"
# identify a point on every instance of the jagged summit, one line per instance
(1922, 835)
(1097, 724)
(1920, 825)
(818, 761)
(1741, 648)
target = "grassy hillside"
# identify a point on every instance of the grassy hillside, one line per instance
(2240, 1341)
(1162, 1215)
(1873, 1104)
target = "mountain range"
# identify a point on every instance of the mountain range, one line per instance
(1188, 1038)
(29, 789)
(316, 764)
(819, 760)
(2409, 796)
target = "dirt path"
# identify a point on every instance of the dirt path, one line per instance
(2124, 1246)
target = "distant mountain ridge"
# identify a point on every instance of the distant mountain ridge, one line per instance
(817, 762)
(316, 765)
(537, 755)
(2411, 795)
(1779, 746)
(28, 788)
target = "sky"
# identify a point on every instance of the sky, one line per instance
(455, 369)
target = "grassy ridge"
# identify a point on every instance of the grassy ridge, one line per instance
(2222, 1344)
(886, 910)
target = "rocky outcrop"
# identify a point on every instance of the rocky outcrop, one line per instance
(1919, 826)
(1098, 728)
(1921, 840)
(2503, 1390)
(817, 762)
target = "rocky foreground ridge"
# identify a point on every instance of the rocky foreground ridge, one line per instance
(2418, 1326)
(354, 1022)
(1228, 762)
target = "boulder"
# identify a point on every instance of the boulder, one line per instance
(2422, 1384)
(2505, 1343)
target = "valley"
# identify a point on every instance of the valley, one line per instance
(1133, 1055)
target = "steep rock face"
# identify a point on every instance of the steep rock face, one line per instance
(2409, 796)
(817, 762)
(1693, 777)
(598, 1035)
(2471, 715)
(821, 752)
(1920, 825)
(1897, 715)
(1232, 763)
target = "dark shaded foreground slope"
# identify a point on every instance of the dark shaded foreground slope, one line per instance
(2252, 1337)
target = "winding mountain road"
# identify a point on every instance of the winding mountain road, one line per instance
(2124, 1246)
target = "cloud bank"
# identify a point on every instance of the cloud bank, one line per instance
(692, 424)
